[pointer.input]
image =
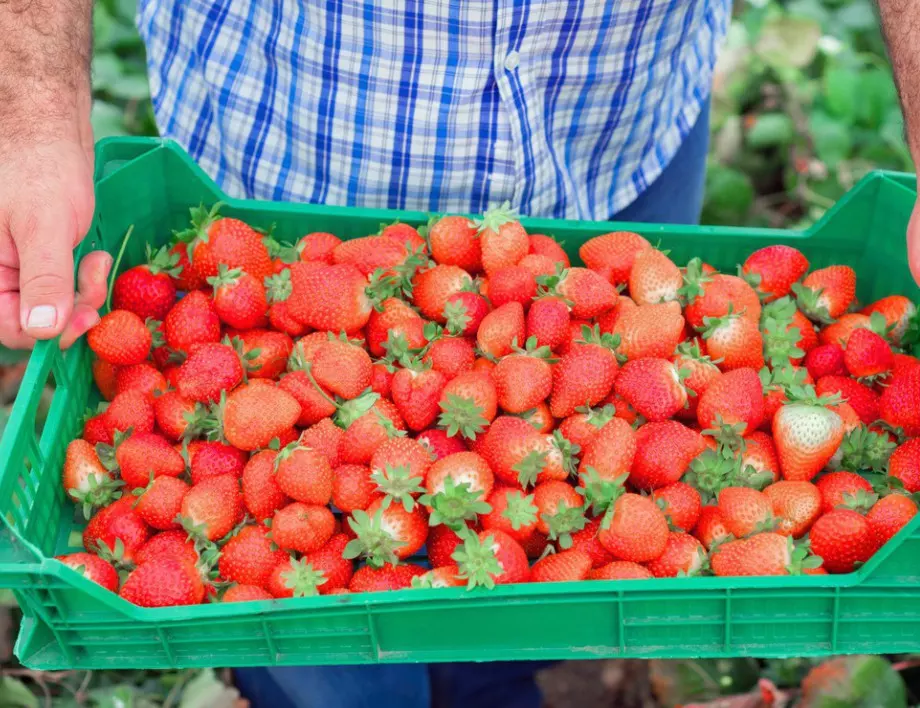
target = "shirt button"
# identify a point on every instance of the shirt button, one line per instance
(512, 61)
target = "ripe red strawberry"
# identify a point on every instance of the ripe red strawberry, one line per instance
(838, 488)
(342, 368)
(212, 459)
(716, 296)
(139, 377)
(239, 299)
(681, 505)
(612, 255)
(682, 555)
(329, 560)
(261, 493)
(391, 323)
(192, 320)
(462, 468)
(897, 311)
(587, 542)
(257, 412)
(806, 434)
(899, 404)
(468, 403)
(314, 405)
(904, 465)
(265, 352)
(825, 360)
(93, 567)
(502, 238)
(654, 278)
(120, 338)
(370, 431)
(548, 247)
(86, 481)
(610, 453)
(213, 507)
(581, 427)
(416, 394)
(168, 544)
(736, 340)
(548, 320)
(538, 264)
(104, 376)
(840, 331)
(759, 454)
(116, 525)
(385, 533)
(215, 239)
(584, 376)
(649, 330)
(491, 558)
(842, 537)
(210, 370)
(773, 269)
(652, 387)
(451, 356)
(523, 379)
(454, 242)
(245, 593)
(635, 529)
(698, 372)
(277, 290)
(130, 410)
(146, 455)
(825, 294)
(329, 298)
(369, 253)
(160, 502)
(464, 312)
(565, 566)
(184, 277)
(401, 452)
(512, 449)
(663, 452)
(443, 577)
(620, 570)
(735, 399)
(164, 582)
(442, 542)
(710, 527)
(95, 430)
(248, 558)
(302, 527)
(888, 516)
(863, 399)
(587, 293)
(560, 510)
(745, 511)
(389, 577)
(763, 554)
(304, 475)
(439, 444)
(512, 284)
(512, 512)
(318, 246)
(796, 505)
(499, 330)
(867, 354)
(434, 287)
(353, 488)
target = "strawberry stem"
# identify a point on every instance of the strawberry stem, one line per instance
(115, 265)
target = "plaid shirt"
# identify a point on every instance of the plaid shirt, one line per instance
(566, 108)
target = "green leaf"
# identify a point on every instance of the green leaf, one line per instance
(855, 682)
(107, 120)
(877, 96)
(130, 87)
(832, 138)
(771, 130)
(841, 92)
(14, 694)
(788, 42)
(729, 195)
(206, 690)
(856, 16)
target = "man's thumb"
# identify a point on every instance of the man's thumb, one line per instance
(46, 280)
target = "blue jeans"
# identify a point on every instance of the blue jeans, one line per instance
(676, 197)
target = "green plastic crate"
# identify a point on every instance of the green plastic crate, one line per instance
(70, 623)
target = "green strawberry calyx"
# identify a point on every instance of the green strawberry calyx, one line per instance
(520, 510)
(599, 493)
(461, 415)
(398, 484)
(496, 217)
(302, 579)
(477, 562)
(372, 541)
(694, 280)
(563, 522)
(454, 505)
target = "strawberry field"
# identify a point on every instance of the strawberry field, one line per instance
(803, 107)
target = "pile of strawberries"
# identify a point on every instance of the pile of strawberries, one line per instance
(296, 419)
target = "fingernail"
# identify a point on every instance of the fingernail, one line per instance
(102, 273)
(41, 317)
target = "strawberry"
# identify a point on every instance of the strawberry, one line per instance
(145, 455)
(863, 399)
(565, 566)
(464, 312)
(104, 376)
(277, 290)
(842, 537)
(587, 542)
(867, 355)
(759, 454)
(139, 377)
(682, 555)
(609, 454)
(839, 488)
(302, 527)
(538, 265)
(451, 356)
(620, 570)
(501, 330)
(86, 481)
(548, 321)
(416, 393)
(342, 368)
(584, 376)
(745, 511)
(897, 311)
(735, 340)
(120, 338)
(442, 542)
(502, 238)
(160, 502)
(215, 239)
(512, 512)
(663, 452)
(613, 255)
(762, 554)
(168, 544)
(164, 582)
(95, 430)
(183, 276)
(634, 529)
(825, 294)
(353, 488)
(608, 320)
(369, 431)
(825, 360)
(389, 577)
(491, 558)
(899, 404)
(117, 527)
(649, 331)
(131, 410)
(513, 450)
(716, 296)
(524, 379)
(245, 593)
(385, 533)
(257, 412)
(654, 278)
(93, 567)
(304, 474)
(806, 434)
(369, 253)
(587, 293)
(581, 427)
(512, 284)
(888, 516)
(652, 387)
(548, 247)
(710, 527)
(264, 352)
(904, 465)
(443, 577)
(239, 299)
(329, 560)
(439, 444)
(329, 298)
(261, 494)
(315, 404)
(772, 270)
(248, 558)
(454, 242)
(394, 326)
(318, 246)
(463, 468)
(468, 404)
(680, 503)
(209, 370)
(902, 363)
(434, 287)
(192, 320)
(698, 372)
(381, 379)
(735, 400)
(560, 511)
(213, 507)
(212, 459)
(796, 505)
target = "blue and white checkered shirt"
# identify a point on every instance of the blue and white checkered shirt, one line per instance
(567, 108)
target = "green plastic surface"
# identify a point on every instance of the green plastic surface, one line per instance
(69, 622)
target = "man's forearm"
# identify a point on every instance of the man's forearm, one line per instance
(901, 26)
(44, 62)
